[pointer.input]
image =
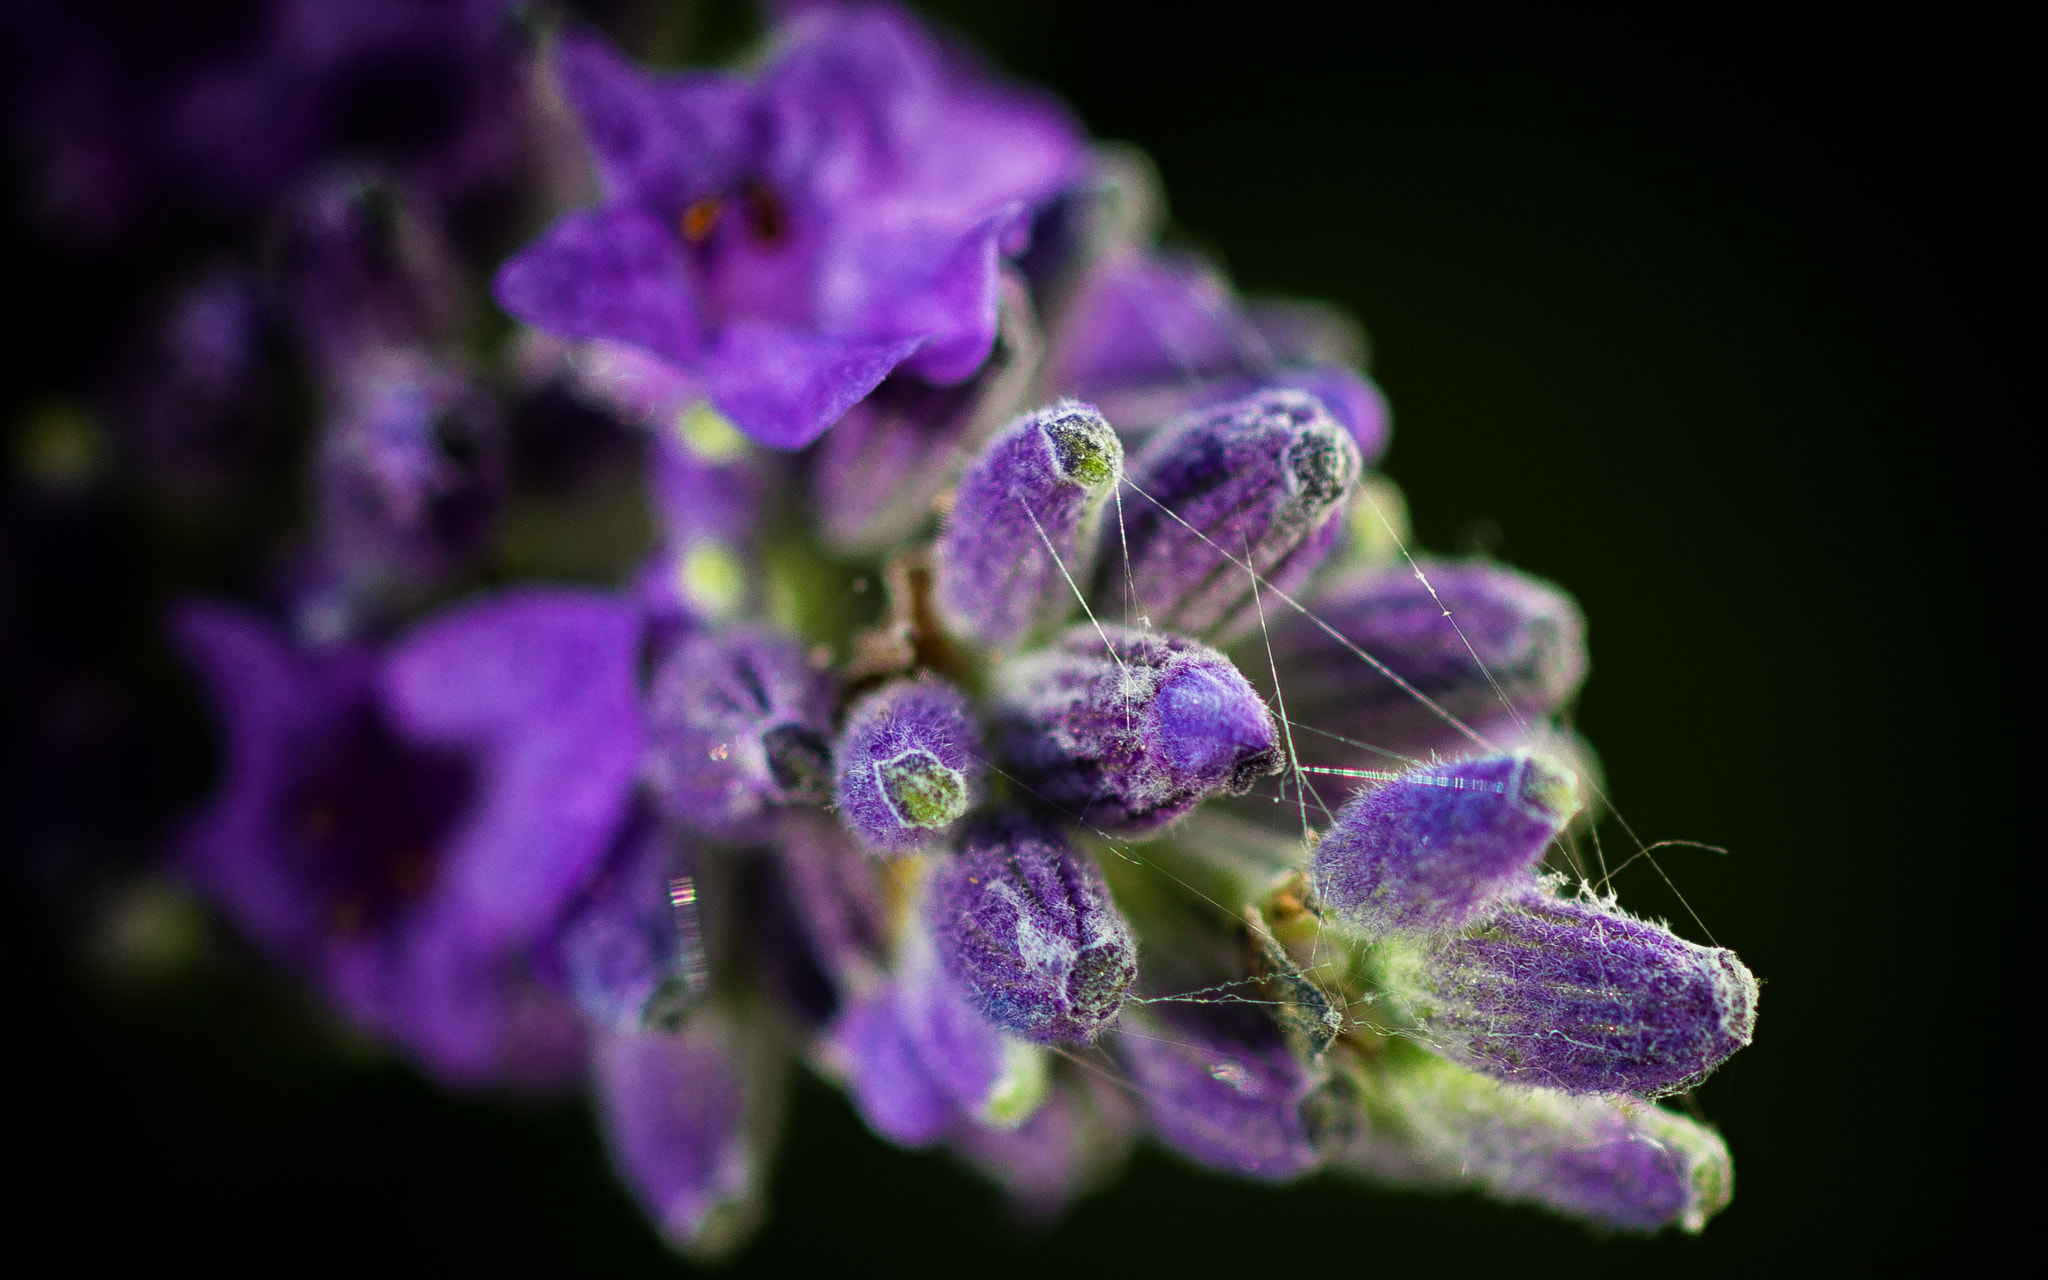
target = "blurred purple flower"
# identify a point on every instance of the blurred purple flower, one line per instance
(793, 239)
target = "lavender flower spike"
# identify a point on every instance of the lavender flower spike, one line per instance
(1022, 530)
(1132, 738)
(1026, 925)
(740, 724)
(1617, 1166)
(1565, 993)
(1257, 478)
(1430, 849)
(909, 765)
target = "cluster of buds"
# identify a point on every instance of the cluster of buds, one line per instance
(1040, 850)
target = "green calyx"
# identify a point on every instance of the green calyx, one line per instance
(1550, 789)
(1087, 451)
(921, 790)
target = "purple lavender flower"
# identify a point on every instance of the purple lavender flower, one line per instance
(1257, 480)
(740, 724)
(1151, 337)
(630, 951)
(1129, 737)
(1433, 847)
(882, 469)
(921, 1061)
(1614, 1165)
(358, 267)
(909, 765)
(690, 1118)
(1220, 1087)
(1577, 996)
(1526, 654)
(820, 921)
(794, 239)
(1075, 1141)
(404, 826)
(1027, 927)
(1021, 534)
(411, 470)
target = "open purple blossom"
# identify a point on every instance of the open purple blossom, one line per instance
(1129, 732)
(1021, 535)
(1570, 994)
(1027, 927)
(793, 239)
(1432, 847)
(740, 724)
(1253, 482)
(402, 826)
(1619, 1166)
(909, 765)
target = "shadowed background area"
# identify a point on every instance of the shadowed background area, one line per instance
(1706, 331)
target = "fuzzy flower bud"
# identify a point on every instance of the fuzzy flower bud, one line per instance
(1526, 638)
(1131, 738)
(1022, 529)
(1258, 479)
(1433, 847)
(1617, 1166)
(631, 950)
(1565, 993)
(1027, 927)
(740, 725)
(1221, 1088)
(909, 765)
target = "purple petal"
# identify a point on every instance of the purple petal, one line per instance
(544, 682)
(660, 141)
(783, 386)
(616, 273)
(895, 1093)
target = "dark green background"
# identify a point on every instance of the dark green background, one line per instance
(1706, 326)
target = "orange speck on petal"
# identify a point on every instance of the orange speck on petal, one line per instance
(700, 219)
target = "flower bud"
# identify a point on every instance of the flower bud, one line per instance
(1027, 927)
(1576, 996)
(1526, 654)
(1022, 529)
(740, 725)
(1075, 1142)
(1131, 738)
(1614, 1165)
(1256, 479)
(1220, 1087)
(631, 950)
(909, 765)
(690, 1120)
(1433, 847)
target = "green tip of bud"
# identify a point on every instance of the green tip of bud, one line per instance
(1088, 452)
(1550, 789)
(1324, 465)
(921, 790)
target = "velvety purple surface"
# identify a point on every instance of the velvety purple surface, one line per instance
(1130, 738)
(851, 205)
(630, 949)
(402, 826)
(1529, 639)
(1153, 336)
(1020, 539)
(1258, 479)
(1564, 993)
(1432, 848)
(739, 724)
(925, 714)
(1027, 927)
(681, 1114)
(1219, 1086)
